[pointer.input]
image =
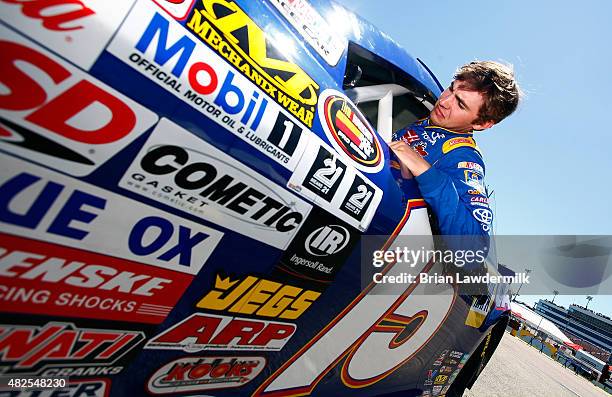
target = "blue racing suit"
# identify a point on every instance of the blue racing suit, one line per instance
(454, 185)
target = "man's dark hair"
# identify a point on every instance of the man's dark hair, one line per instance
(495, 81)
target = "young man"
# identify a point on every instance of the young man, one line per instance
(441, 154)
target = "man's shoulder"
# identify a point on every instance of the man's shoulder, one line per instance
(463, 156)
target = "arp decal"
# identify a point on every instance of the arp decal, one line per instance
(362, 331)
(98, 387)
(177, 8)
(231, 33)
(77, 30)
(56, 115)
(34, 350)
(349, 131)
(44, 205)
(210, 332)
(304, 18)
(177, 168)
(162, 50)
(320, 248)
(258, 297)
(334, 186)
(191, 374)
(46, 279)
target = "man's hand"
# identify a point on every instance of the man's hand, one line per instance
(409, 159)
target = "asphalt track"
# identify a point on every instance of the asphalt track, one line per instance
(517, 369)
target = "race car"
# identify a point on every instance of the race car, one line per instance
(192, 196)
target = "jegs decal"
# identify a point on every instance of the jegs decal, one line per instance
(77, 30)
(47, 349)
(58, 116)
(162, 50)
(349, 131)
(44, 205)
(192, 374)
(177, 168)
(259, 297)
(211, 332)
(335, 186)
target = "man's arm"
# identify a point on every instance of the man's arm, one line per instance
(454, 188)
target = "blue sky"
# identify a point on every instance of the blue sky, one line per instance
(549, 163)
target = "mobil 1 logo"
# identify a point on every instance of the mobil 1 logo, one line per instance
(320, 248)
(325, 175)
(358, 198)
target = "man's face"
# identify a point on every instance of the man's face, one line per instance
(457, 109)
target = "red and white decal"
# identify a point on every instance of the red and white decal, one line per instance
(190, 374)
(369, 333)
(44, 205)
(54, 114)
(78, 30)
(48, 279)
(30, 348)
(177, 8)
(209, 332)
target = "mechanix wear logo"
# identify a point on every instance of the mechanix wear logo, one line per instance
(229, 31)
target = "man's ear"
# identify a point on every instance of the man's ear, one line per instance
(484, 125)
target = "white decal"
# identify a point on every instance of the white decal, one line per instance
(164, 51)
(58, 116)
(181, 170)
(78, 30)
(41, 204)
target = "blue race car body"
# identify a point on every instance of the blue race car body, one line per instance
(184, 193)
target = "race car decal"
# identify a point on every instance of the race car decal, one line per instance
(324, 178)
(349, 131)
(230, 32)
(190, 374)
(165, 52)
(259, 297)
(177, 8)
(177, 168)
(361, 330)
(319, 250)
(77, 30)
(33, 349)
(58, 116)
(48, 279)
(210, 332)
(41, 204)
(313, 28)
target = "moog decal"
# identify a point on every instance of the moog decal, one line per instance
(177, 168)
(161, 49)
(58, 116)
(41, 204)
